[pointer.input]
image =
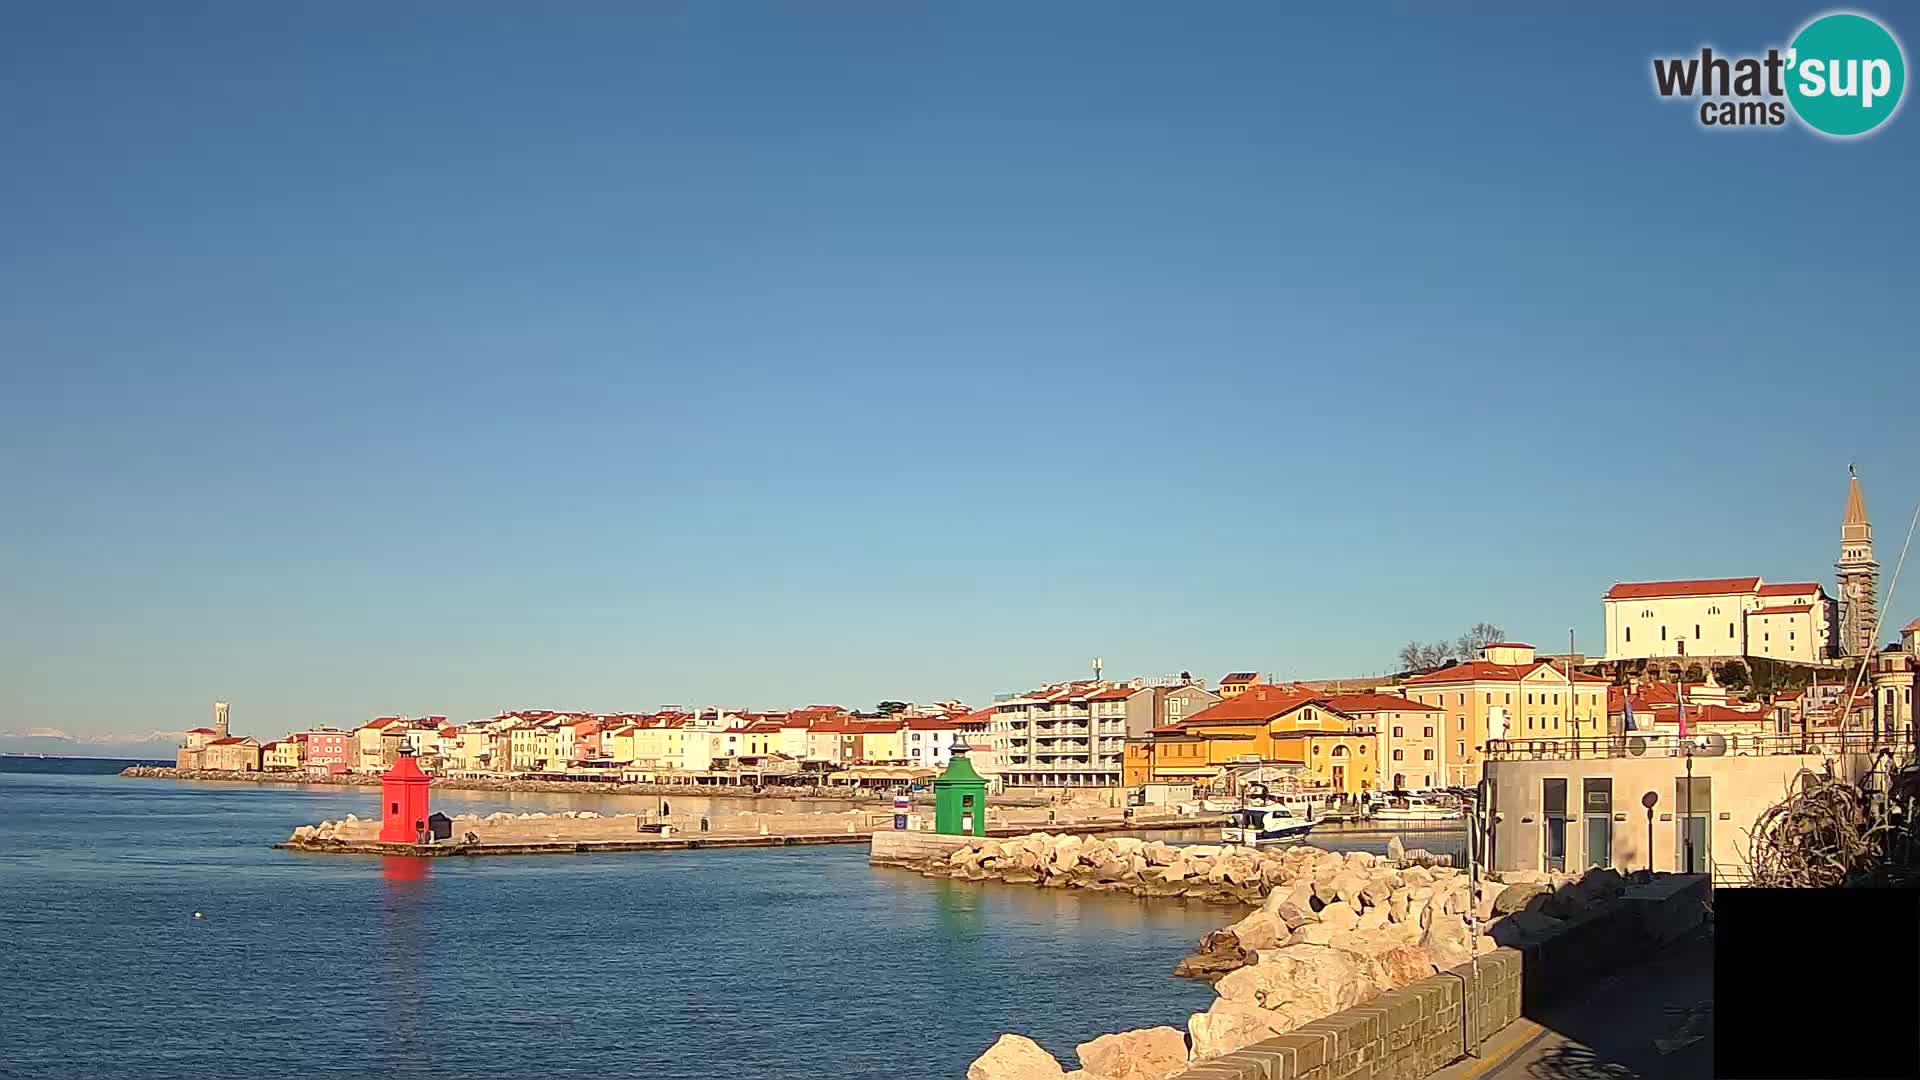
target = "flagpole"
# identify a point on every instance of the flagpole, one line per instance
(1570, 720)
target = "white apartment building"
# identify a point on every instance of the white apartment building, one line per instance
(1718, 618)
(1074, 734)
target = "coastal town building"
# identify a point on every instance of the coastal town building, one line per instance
(232, 754)
(1406, 737)
(1266, 733)
(930, 740)
(281, 755)
(325, 750)
(1892, 675)
(192, 752)
(1720, 618)
(1554, 810)
(1074, 734)
(1236, 683)
(1505, 693)
(1859, 575)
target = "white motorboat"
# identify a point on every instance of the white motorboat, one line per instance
(1414, 808)
(1265, 826)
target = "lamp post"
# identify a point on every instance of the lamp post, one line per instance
(1650, 800)
(1687, 828)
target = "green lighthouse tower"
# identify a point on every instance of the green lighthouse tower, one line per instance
(960, 798)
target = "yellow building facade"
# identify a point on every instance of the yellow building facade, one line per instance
(1505, 694)
(1264, 727)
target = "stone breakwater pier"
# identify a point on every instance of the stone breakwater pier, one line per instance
(580, 832)
(1074, 860)
(1352, 965)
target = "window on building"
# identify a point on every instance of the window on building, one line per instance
(1399, 755)
(1629, 633)
(1460, 722)
(1663, 633)
(1427, 754)
(1696, 631)
(1429, 731)
(1529, 699)
(1460, 748)
(1789, 635)
(1399, 732)
(1729, 629)
(1461, 700)
(1429, 779)
(1509, 700)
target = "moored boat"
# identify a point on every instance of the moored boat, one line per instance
(1413, 808)
(1265, 826)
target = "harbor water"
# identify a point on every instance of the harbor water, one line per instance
(150, 931)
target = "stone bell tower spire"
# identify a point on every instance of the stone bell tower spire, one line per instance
(1859, 575)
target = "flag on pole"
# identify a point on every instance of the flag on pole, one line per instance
(1628, 698)
(1681, 699)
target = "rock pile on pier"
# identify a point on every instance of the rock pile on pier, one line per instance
(1225, 874)
(1333, 930)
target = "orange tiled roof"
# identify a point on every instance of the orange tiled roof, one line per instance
(1648, 590)
(1789, 589)
(1257, 705)
(1359, 703)
(1488, 671)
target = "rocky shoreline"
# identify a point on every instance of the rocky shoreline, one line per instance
(1332, 931)
(557, 787)
(1213, 874)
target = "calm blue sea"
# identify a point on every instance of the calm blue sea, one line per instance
(749, 964)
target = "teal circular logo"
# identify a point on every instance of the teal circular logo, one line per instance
(1845, 73)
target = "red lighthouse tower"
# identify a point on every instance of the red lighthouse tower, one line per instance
(403, 802)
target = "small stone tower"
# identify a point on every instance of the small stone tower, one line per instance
(1859, 575)
(220, 720)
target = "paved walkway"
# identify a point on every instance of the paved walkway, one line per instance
(1651, 1022)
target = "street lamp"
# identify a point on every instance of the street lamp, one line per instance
(1650, 800)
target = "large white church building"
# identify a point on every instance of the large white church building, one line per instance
(1748, 617)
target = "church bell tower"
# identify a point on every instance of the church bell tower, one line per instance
(1859, 575)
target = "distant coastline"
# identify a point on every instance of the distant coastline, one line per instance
(556, 787)
(12, 762)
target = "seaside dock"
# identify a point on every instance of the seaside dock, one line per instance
(304, 840)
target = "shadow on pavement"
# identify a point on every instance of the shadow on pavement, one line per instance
(1653, 1021)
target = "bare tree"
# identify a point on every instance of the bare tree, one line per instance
(1478, 636)
(1422, 656)
(1413, 656)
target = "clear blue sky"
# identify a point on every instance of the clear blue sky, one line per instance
(469, 356)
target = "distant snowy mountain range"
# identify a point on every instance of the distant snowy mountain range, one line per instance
(56, 743)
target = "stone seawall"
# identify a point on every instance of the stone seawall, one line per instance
(1410, 1032)
(1351, 965)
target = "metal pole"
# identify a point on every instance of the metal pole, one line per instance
(1570, 721)
(1687, 827)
